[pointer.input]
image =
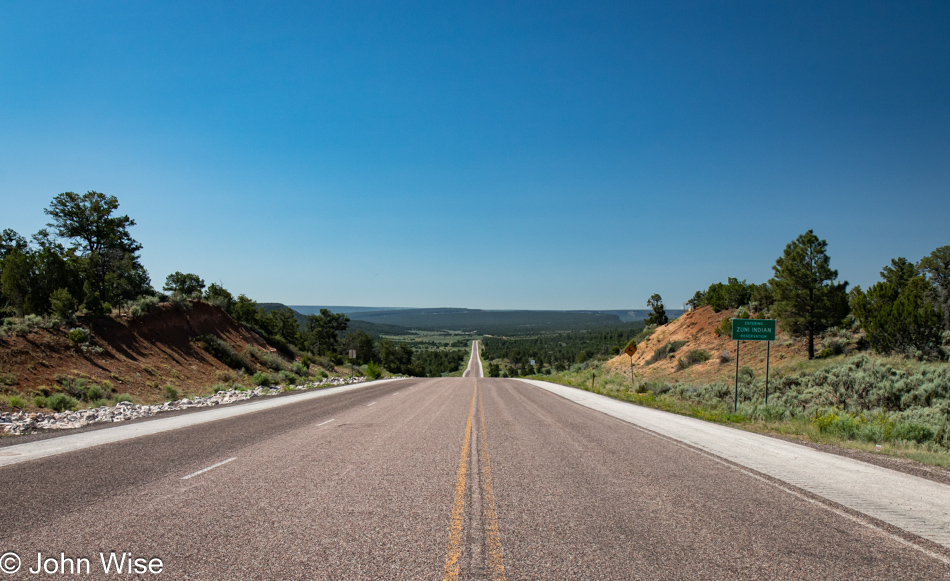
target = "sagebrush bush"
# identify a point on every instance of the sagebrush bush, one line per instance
(142, 306)
(914, 433)
(180, 301)
(61, 402)
(122, 397)
(862, 398)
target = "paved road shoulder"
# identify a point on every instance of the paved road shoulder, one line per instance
(915, 505)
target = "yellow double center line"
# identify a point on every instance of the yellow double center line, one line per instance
(453, 556)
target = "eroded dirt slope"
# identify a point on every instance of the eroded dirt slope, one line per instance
(698, 329)
(138, 356)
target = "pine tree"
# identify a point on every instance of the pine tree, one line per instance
(807, 298)
(658, 316)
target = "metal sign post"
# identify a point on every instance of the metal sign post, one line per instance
(630, 349)
(735, 407)
(753, 330)
(352, 355)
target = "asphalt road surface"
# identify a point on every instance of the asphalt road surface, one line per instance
(453, 478)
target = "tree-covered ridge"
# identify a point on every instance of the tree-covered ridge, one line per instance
(907, 312)
(87, 264)
(554, 351)
(489, 322)
(88, 261)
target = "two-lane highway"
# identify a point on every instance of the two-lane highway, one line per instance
(452, 478)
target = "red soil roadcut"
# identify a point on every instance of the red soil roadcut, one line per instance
(698, 329)
(138, 356)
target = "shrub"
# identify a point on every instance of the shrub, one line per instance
(171, 393)
(227, 376)
(724, 357)
(769, 413)
(373, 370)
(262, 379)
(725, 328)
(61, 402)
(62, 304)
(299, 368)
(913, 433)
(78, 336)
(665, 351)
(288, 378)
(74, 386)
(17, 401)
(122, 397)
(8, 378)
(693, 357)
(834, 344)
(222, 351)
(94, 393)
(40, 401)
(305, 361)
(268, 360)
(142, 305)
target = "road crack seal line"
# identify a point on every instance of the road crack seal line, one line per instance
(496, 561)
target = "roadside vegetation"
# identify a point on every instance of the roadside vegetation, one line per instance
(876, 372)
(808, 403)
(512, 356)
(85, 266)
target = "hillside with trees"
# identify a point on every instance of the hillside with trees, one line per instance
(79, 312)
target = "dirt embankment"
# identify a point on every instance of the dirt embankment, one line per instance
(697, 328)
(137, 356)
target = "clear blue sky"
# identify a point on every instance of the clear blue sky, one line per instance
(484, 154)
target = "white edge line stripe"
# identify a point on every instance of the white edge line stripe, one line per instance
(369, 404)
(325, 423)
(203, 470)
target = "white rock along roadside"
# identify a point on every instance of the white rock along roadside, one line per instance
(19, 423)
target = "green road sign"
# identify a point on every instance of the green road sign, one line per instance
(753, 329)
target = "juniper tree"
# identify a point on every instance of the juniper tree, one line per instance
(936, 267)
